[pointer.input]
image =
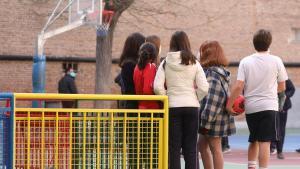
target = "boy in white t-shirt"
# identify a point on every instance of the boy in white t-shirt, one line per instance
(260, 77)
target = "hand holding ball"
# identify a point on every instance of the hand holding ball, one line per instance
(239, 105)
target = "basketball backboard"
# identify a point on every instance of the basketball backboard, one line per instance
(89, 9)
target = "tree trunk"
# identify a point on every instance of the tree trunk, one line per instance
(103, 63)
(104, 55)
(103, 66)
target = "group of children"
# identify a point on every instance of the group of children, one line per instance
(199, 99)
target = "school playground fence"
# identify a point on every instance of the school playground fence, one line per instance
(65, 138)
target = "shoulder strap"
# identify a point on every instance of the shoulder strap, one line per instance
(164, 64)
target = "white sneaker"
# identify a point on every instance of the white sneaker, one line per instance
(273, 151)
(226, 150)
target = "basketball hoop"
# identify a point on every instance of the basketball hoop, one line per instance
(107, 16)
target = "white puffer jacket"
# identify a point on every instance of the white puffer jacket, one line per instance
(186, 84)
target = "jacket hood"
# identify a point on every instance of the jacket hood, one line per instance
(221, 71)
(173, 61)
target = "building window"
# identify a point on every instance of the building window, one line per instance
(296, 32)
(67, 65)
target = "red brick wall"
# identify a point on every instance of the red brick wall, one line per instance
(232, 23)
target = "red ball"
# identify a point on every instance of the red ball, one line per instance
(239, 105)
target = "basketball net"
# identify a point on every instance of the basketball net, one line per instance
(107, 16)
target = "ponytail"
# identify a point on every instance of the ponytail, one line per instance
(147, 54)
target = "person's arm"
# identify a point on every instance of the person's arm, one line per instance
(290, 89)
(159, 81)
(127, 77)
(72, 87)
(212, 102)
(201, 83)
(281, 87)
(236, 90)
(282, 76)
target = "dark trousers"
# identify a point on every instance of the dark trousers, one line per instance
(69, 104)
(225, 142)
(281, 119)
(183, 129)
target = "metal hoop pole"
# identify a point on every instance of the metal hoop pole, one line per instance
(100, 10)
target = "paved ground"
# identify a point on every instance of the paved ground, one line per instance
(237, 158)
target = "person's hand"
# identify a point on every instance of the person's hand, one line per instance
(230, 110)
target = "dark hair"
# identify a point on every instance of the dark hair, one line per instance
(147, 54)
(180, 42)
(212, 54)
(156, 41)
(68, 69)
(262, 40)
(131, 48)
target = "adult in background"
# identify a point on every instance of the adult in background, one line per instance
(215, 121)
(67, 85)
(260, 76)
(128, 60)
(281, 120)
(182, 79)
(155, 40)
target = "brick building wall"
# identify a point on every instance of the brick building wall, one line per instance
(232, 22)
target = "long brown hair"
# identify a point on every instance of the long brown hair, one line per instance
(131, 48)
(180, 42)
(212, 54)
(155, 40)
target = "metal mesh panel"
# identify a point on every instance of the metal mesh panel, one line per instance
(88, 140)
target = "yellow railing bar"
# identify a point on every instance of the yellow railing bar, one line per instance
(151, 142)
(81, 118)
(124, 140)
(111, 140)
(161, 134)
(70, 140)
(28, 139)
(166, 133)
(98, 141)
(89, 110)
(84, 139)
(43, 138)
(56, 140)
(55, 96)
(138, 142)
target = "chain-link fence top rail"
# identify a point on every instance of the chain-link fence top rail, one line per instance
(90, 138)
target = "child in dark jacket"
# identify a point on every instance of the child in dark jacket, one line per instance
(128, 60)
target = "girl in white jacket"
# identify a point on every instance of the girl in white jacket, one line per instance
(181, 78)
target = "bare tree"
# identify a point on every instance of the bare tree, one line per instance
(104, 50)
(147, 12)
(104, 43)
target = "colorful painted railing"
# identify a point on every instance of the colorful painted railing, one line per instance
(83, 137)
